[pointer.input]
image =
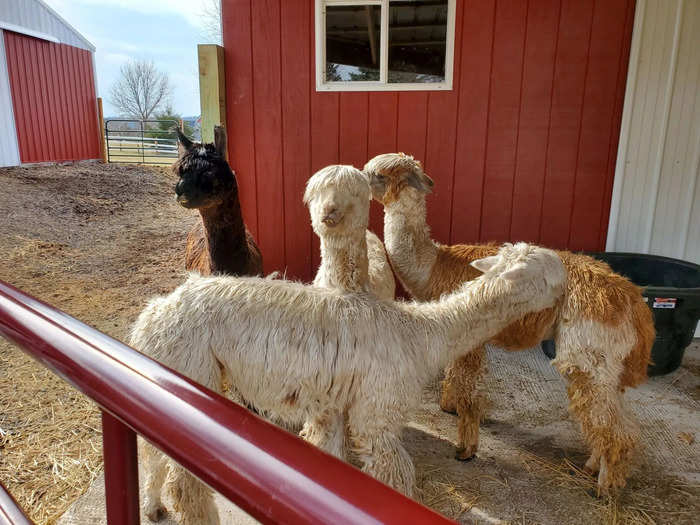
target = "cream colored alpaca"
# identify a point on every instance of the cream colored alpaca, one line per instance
(302, 353)
(352, 257)
(602, 327)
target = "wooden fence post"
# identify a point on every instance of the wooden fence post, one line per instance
(103, 147)
(212, 89)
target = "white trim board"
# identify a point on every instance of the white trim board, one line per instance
(382, 84)
(29, 32)
(9, 147)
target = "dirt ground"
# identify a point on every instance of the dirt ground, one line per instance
(97, 241)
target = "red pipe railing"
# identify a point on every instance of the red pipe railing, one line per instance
(271, 474)
(10, 512)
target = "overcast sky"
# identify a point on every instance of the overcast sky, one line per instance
(165, 31)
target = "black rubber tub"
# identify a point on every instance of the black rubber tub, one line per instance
(672, 291)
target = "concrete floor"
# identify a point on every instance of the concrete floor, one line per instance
(517, 476)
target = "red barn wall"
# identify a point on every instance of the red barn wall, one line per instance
(523, 147)
(53, 95)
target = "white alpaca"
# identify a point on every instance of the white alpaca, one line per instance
(303, 353)
(352, 257)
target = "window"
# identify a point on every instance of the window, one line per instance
(384, 45)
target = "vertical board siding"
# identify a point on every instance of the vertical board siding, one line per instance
(570, 68)
(296, 130)
(354, 118)
(267, 107)
(55, 107)
(595, 136)
(240, 116)
(657, 192)
(472, 116)
(521, 148)
(441, 146)
(382, 136)
(533, 124)
(504, 115)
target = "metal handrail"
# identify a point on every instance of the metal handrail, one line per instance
(10, 512)
(271, 474)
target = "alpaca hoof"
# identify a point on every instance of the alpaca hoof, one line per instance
(598, 493)
(588, 471)
(465, 454)
(157, 513)
(594, 493)
(450, 408)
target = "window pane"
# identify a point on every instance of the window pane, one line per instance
(417, 40)
(352, 43)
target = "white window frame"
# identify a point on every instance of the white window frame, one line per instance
(382, 84)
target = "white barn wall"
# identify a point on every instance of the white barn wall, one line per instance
(656, 195)
(9, 149)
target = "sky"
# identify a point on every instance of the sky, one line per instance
(164, 31)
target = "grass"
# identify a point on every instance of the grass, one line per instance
(134, 153)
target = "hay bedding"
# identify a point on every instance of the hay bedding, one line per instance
(96, 241)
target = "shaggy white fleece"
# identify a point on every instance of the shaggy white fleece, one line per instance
(298, 352)
(352, 257)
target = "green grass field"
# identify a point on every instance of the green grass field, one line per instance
(130, 152)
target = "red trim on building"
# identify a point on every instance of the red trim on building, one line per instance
(54, 101)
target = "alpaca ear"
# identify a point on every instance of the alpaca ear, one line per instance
(183, 143)
(220, 140)
(519, 271)
(420, 181)
(485, 264)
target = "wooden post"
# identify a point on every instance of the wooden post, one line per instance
(103, 147)
(212, 89)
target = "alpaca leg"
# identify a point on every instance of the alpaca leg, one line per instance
(608, 430)
(463, 380)
(448, 391)
(156, 469)
(327, 432)
(592, 465)
(380, 451)
(192, 499)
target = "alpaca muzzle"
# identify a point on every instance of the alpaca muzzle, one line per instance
(332, 218)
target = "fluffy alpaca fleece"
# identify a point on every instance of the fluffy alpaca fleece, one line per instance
(602, 327)
(303, 353)
(220, 242)
(352, 257)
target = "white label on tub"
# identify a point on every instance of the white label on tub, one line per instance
(664, 302)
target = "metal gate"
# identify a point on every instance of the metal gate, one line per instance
(141, 141)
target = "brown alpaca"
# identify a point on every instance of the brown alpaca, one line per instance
(219, 243)
(602, 327)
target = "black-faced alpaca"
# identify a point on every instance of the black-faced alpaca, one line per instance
(220, 243)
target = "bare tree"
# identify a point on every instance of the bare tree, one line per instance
(211, 20)
(140, 90)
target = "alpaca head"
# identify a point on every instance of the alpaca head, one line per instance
(338, 198)
(529, 269)
(205, 177)
(394, 175)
